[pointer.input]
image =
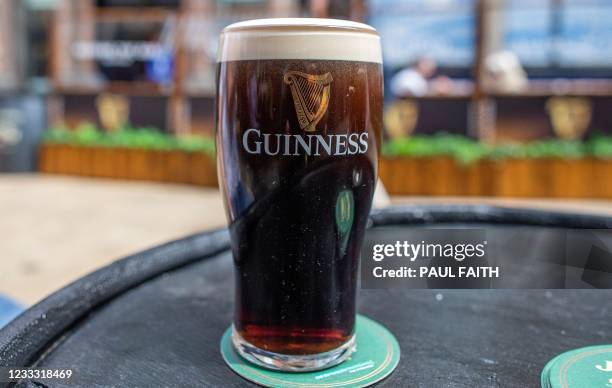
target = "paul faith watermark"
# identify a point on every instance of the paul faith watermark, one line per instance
(422, 250)
(503, 257)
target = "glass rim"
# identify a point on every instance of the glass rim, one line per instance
(299, 24)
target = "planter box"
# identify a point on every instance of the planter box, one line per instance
(434, 176)
(126, 163)
(440, 176)
(602, 178)
(543, 178)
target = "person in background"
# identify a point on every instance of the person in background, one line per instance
(418, 80)
(505, 73)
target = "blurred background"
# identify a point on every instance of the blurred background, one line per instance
(106, 117)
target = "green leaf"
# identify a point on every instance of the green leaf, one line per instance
(466, 151)
(151, 138)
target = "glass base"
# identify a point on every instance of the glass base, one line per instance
(291, 362)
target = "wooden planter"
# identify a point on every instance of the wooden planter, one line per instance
(440, 176)
(126, 163)
(602, 178)
(543, 178)
(434, 176)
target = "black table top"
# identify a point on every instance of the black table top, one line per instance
(155, 319)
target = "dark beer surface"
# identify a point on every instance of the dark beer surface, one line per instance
(297, 210)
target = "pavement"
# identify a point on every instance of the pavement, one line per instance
(56, 229)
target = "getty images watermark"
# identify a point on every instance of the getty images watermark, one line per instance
(492, 257)
(426, 250)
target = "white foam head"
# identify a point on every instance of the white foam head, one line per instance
(299, 38)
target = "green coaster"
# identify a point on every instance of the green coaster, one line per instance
(585, 367)
(376, 356)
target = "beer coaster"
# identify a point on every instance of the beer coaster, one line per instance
(376, 356)
(585, 367)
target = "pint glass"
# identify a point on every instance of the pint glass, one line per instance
(298, 120)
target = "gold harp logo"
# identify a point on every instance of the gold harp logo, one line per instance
(570, 116)
(310, 96)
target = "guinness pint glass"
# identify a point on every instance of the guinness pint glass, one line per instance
(299, 117)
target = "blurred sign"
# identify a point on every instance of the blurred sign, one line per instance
(570, 116)
(113, 110)
(161, 67)
(130, 50)
(401, 118)
(117, 52)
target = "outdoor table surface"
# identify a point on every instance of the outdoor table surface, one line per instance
(156, 318)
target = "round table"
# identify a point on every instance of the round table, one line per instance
(155, 318)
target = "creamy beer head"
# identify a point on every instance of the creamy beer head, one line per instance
(300, 38)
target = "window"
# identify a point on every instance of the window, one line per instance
(439, 29)
(560, 37)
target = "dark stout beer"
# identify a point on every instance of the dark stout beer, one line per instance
(297, 141)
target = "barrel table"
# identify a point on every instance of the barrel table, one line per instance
(154, 319)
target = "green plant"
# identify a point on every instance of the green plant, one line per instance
(460, 148)
(466, 150)
(88, 135)
(554, 148)
(600, 146)
(57, 135)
